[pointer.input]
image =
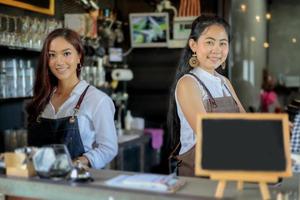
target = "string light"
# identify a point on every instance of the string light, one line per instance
(268, 16)
(253, 39)
(266, 45)
(257, 18)
(294, 40)
(243, 7)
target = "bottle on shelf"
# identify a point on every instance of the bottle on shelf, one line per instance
(128, 120)
(100, 73)
(29, 77)
(11, 78)
(21, 92)
(2, 80)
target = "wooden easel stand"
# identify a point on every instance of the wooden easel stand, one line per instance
(264, 190)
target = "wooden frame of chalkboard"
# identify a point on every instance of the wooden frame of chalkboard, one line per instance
(255, 124)
(44, 6)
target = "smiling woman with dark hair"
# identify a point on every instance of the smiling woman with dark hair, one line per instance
(198, 88)
(68, 110)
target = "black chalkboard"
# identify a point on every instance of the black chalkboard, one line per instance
(241, 144)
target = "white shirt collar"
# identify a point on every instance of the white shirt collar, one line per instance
(213, 77)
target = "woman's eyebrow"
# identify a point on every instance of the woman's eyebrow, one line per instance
(67, 49)
(211, 38)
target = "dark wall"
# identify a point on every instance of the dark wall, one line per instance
(154, 70)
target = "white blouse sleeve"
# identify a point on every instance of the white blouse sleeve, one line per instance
(105, 147)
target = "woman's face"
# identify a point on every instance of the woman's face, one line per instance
(63, 59)
(211, 48)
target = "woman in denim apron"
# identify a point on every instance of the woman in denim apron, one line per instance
(67, 110)
(198, 88)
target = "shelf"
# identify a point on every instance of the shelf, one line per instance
(177, 43)
(20, 48)
(2, 100)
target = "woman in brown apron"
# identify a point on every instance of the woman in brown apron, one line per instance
(198, 88)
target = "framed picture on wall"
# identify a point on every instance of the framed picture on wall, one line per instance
(149, 29)
(44, 6)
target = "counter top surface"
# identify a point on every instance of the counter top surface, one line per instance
(195, 188)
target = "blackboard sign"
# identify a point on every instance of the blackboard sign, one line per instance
(41, 6)
(243, 144)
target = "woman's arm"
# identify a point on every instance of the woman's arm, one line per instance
(105, 146)
(189, 98)
(241, 108)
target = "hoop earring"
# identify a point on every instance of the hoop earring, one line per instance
(223, 65)
(79, 67)
(194, 62)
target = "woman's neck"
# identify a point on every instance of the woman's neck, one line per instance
(209, 70)
(65, 87)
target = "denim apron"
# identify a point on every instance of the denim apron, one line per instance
(225, 104)
(58, 131)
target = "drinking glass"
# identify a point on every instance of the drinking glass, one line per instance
(52, 161)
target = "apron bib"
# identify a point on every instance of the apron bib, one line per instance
(58, 131)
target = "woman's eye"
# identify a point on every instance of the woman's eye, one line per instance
(67, 53)
(209, 42)
(223, 44)
(51, 55)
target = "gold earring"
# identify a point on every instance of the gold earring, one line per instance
(223, 65)
(194, 62)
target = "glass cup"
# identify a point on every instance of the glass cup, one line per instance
(53, 161)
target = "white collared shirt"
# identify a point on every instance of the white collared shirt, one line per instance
(216, 86)
(95, 121)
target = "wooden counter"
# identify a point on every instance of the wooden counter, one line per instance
(195, 188)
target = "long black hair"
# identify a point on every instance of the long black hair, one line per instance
(198, 26)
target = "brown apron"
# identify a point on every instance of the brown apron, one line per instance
(226, 104)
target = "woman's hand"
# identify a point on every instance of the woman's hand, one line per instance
(82, 162)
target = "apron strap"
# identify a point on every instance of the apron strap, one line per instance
(173, 159)
(81, 98)
(230, 93)
(76, 109)
(173, 153)
(211, 99)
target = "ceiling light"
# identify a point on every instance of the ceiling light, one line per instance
(257, 18)
(243, 7)
(268, 16)
(253, 39)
